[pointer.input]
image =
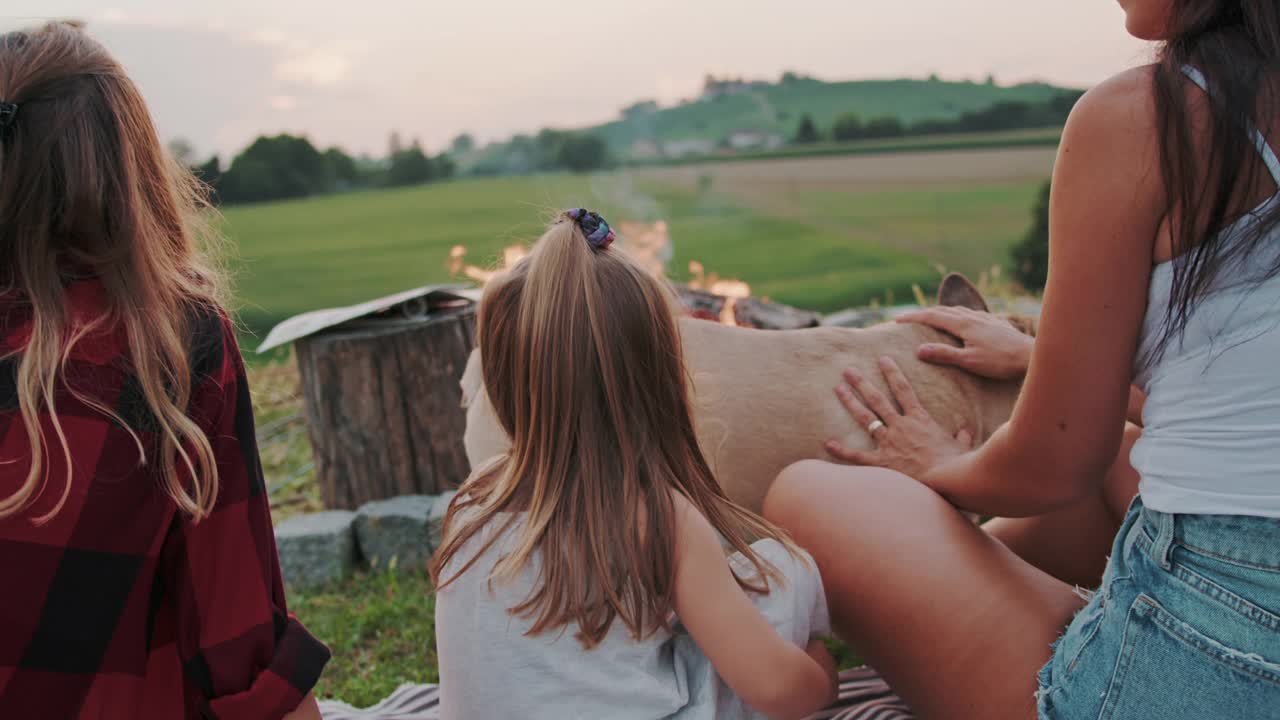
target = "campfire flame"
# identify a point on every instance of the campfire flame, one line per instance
(649, 244)
(457, 264)
(731, 290)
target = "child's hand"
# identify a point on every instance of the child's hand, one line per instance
(818, 651)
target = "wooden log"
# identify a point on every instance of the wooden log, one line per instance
(749, 311)
(384, 406)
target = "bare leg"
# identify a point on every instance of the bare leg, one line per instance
(1072, 544)
(956, 622)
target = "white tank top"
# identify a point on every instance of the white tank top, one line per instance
(491, 668)
(1211, 438)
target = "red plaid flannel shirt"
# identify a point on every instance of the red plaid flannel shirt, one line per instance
(120, 606)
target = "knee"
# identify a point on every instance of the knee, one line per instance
(829, 508)
(812, 489)
(793, 491)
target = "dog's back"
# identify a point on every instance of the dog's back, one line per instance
(763, 399)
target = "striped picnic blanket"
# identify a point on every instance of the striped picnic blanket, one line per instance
(863, 696)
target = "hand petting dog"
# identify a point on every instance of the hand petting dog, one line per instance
(907, 438)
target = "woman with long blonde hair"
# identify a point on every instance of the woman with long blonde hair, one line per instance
(567, 564)
(135, 532)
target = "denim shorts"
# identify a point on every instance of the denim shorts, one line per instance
(1185, 625)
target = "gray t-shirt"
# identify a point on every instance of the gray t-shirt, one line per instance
(489, 668)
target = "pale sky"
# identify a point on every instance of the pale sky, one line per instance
(348, 73)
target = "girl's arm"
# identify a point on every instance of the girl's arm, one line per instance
(764, 669)
(1107, 205)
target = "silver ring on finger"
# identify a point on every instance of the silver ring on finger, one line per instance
(877, 424)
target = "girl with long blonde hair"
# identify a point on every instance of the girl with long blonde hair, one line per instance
(135, 530)
(583, 574)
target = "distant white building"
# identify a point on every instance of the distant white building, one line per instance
(685, 148)
(753, 140)
(714, 87)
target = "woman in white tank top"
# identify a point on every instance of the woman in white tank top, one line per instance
(1165, 282)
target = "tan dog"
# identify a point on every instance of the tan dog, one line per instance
(762, 399)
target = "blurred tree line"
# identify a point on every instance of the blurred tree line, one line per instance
(1031, 254)
(548, 151)
(287, 166)
(1009, 115)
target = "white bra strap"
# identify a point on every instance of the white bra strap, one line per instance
(1196, 76)
(1259, 140)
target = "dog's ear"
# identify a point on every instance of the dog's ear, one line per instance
(957, 291)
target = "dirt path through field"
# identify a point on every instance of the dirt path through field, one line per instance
(838, 195)
(863, 173)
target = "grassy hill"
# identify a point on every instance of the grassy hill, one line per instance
(778, 108)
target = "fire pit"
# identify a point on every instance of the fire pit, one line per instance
(705, 296)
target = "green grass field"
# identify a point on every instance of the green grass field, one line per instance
(381, 630)
(838, 238)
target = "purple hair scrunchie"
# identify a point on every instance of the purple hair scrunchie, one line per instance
(599, 234)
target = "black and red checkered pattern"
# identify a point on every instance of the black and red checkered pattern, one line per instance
(120, 606)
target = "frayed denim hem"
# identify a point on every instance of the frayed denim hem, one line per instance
(1045, 688)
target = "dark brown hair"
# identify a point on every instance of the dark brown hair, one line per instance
(1236, 45)
(582, 361)
(87, 189)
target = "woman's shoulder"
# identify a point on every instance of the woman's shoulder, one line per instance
(210, 331)
(211, 336)
(1115, 128)
(1124, 102)
(218, 378)
(1135, 80)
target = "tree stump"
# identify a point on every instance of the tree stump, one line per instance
(384, 405)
